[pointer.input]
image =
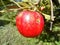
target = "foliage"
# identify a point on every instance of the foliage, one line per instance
(10, 36)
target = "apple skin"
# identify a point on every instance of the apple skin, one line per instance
(29, 23)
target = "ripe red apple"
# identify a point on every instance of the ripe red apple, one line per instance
(29, 23)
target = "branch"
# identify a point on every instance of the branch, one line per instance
(3, 4)
(8, 20)
(52, 17)
(15, 3)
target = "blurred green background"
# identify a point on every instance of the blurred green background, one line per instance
(9, 34)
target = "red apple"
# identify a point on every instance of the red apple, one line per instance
(29, 23)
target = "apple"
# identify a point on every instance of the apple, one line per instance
(29, 23)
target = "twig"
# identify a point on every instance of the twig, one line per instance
(8, 20)
(9, 10)
(3, 4)
(36, 2)
(16, 4)
(52, 17)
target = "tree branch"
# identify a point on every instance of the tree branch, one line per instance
(52, 17)
(16, 3)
